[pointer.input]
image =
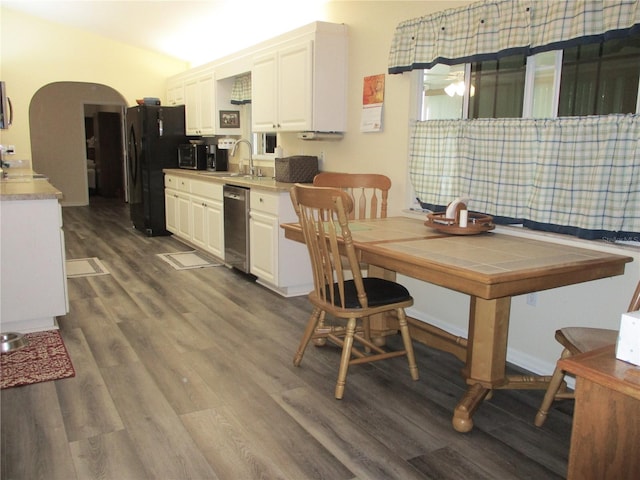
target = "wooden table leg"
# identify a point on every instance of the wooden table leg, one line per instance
(486, 356)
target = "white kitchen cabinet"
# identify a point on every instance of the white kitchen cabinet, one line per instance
(171, 210)
(194, 212)
(280, 264)
(200, 109)
(184, 215)
(178, 205)
(300, 85)
(33, 281)
(207, 215)
(175, 91)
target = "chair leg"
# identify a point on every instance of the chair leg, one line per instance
(552, 391)
(316, 315)
(408, 345)
(366, 325)
(346, 356)
(322, 341)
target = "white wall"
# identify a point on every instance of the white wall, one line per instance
(35, 53)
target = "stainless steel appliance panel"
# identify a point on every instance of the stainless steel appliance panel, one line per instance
(236, 227)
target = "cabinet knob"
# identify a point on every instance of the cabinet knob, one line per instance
(261, 200)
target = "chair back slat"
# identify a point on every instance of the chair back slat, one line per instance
(369, 192)
(322, 213)
(635, 300)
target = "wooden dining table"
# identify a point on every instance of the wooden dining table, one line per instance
(489, 267)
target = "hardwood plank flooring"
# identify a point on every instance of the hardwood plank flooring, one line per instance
(188, 375)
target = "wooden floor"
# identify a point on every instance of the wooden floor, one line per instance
(188, 375)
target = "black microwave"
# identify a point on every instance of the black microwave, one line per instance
(192, 156)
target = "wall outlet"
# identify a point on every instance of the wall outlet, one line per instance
(532, 299)
(320, 160)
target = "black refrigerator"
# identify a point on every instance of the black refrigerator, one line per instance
(153, 136)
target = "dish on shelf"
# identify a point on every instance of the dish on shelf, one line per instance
(476, 223)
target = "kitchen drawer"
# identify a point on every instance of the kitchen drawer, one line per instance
(207, 189)
(177, 183)
(264, 202)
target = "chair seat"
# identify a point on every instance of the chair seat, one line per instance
(379, 292)
(584, 339)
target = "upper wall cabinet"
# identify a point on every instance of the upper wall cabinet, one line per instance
(301, 83)
(200, 109)
(175, 91)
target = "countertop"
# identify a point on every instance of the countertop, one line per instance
(25, 184)
(262, 183)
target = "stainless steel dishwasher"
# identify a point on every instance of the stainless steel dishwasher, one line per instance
(236, 227)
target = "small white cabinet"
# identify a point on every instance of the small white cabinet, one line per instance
(207, 214)
(200, 109)
(178, 205)
(281, 96)
(301, 83)
(175, 91)
(194, 212)
(33, 283)
(280, 264)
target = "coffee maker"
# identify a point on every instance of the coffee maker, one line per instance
(217, 159)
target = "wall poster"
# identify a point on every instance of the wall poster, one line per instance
(372, 102)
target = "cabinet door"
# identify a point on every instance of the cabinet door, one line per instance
(263, 256)
(264, 93)
(206, 87)
(214, 222)
(295, 88)
(184, 216)
(175, 93)
(191, 99)
(171, 210)
(198, 215)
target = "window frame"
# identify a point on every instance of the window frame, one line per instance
(528, 94)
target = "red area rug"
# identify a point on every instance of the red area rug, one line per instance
(44, 358)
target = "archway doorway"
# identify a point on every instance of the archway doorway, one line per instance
(59, 146)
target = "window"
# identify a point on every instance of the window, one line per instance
(601, 78)
(593, 79)
(498, 88)
(264, 143)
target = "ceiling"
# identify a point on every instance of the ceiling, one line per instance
(194, 31)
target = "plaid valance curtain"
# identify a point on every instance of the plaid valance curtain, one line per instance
(575, 175)
(495, 28)
(241, 90)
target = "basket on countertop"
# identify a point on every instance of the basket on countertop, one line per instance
(296, 169)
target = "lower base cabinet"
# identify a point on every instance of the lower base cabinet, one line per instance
(280, 264)
(33, 283)
(194, 213)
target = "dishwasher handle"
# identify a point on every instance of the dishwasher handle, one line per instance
(233, 196)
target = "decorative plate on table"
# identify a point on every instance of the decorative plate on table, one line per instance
(476, 223)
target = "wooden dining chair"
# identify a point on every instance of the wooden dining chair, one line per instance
(322, 213)
(577, 340)
(368, 191)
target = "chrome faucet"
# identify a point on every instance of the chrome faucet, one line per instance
(233, 152)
